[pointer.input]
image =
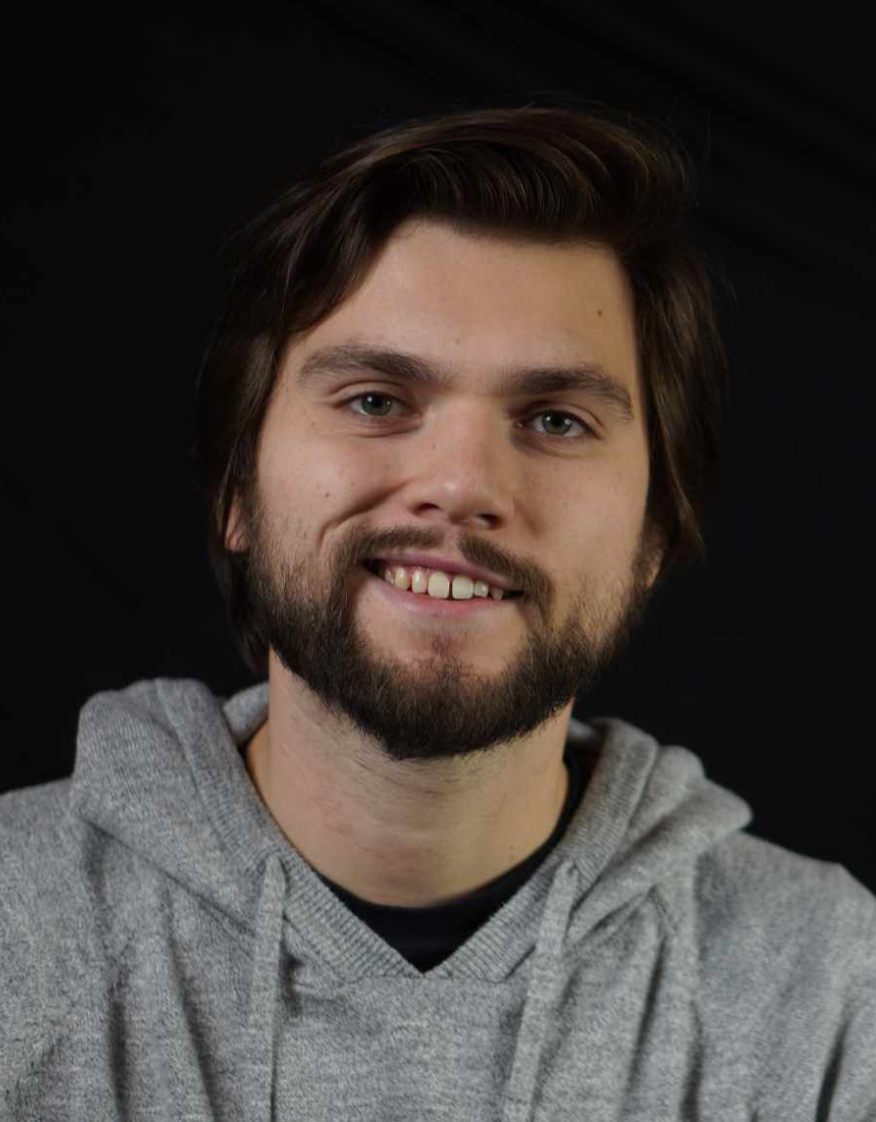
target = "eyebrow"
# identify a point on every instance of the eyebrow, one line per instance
(354, 358)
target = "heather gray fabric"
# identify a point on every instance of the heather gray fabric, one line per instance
(166, 954)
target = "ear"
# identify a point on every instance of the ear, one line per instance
(654, 570)
(657, 546)
(235, 532)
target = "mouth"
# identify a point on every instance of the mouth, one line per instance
(373, 567)
(432, 611)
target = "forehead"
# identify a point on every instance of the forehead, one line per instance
(480, 304)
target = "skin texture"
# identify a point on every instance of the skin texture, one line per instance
(413, 760)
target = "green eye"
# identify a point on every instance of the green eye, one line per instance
(373, 394)
(564, 417)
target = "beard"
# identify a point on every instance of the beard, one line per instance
(437, 707)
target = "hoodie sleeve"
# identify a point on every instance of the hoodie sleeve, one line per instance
(849, 1085)
(31, 988)
(849, 1092)
(51, 956)
(40, 961)
(835, 1027)
(788, 982)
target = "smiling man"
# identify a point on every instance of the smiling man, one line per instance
(456, 426)
(475, 408)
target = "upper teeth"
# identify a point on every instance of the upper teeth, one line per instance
(436, 583)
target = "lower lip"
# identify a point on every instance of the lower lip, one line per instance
(422, 604)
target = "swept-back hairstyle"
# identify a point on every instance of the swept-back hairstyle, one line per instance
(543, 174)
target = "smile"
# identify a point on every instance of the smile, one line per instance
(424, 605)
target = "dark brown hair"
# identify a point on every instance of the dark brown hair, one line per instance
(545, 174)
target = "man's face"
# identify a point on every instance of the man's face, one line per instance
(355, 464)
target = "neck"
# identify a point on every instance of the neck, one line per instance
(405, 834)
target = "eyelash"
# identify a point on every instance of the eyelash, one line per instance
(588, 434)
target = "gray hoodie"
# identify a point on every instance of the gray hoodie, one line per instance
(167, 954)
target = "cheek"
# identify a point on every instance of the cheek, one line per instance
(318, 479)
(601, 520)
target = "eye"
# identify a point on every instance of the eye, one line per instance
(555, 414)
(564, 418)
(372, 394)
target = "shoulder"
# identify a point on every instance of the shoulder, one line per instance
(32, 838)
(751, 882)
(772, 922)
(32, 826)
(56, 869)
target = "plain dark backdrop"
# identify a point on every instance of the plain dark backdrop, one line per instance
(135, 143)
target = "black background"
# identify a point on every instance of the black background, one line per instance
(135, 143)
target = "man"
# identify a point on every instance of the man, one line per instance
(454, 429)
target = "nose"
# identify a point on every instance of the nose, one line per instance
(459, 466)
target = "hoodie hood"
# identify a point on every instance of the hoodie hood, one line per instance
(159, 769)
